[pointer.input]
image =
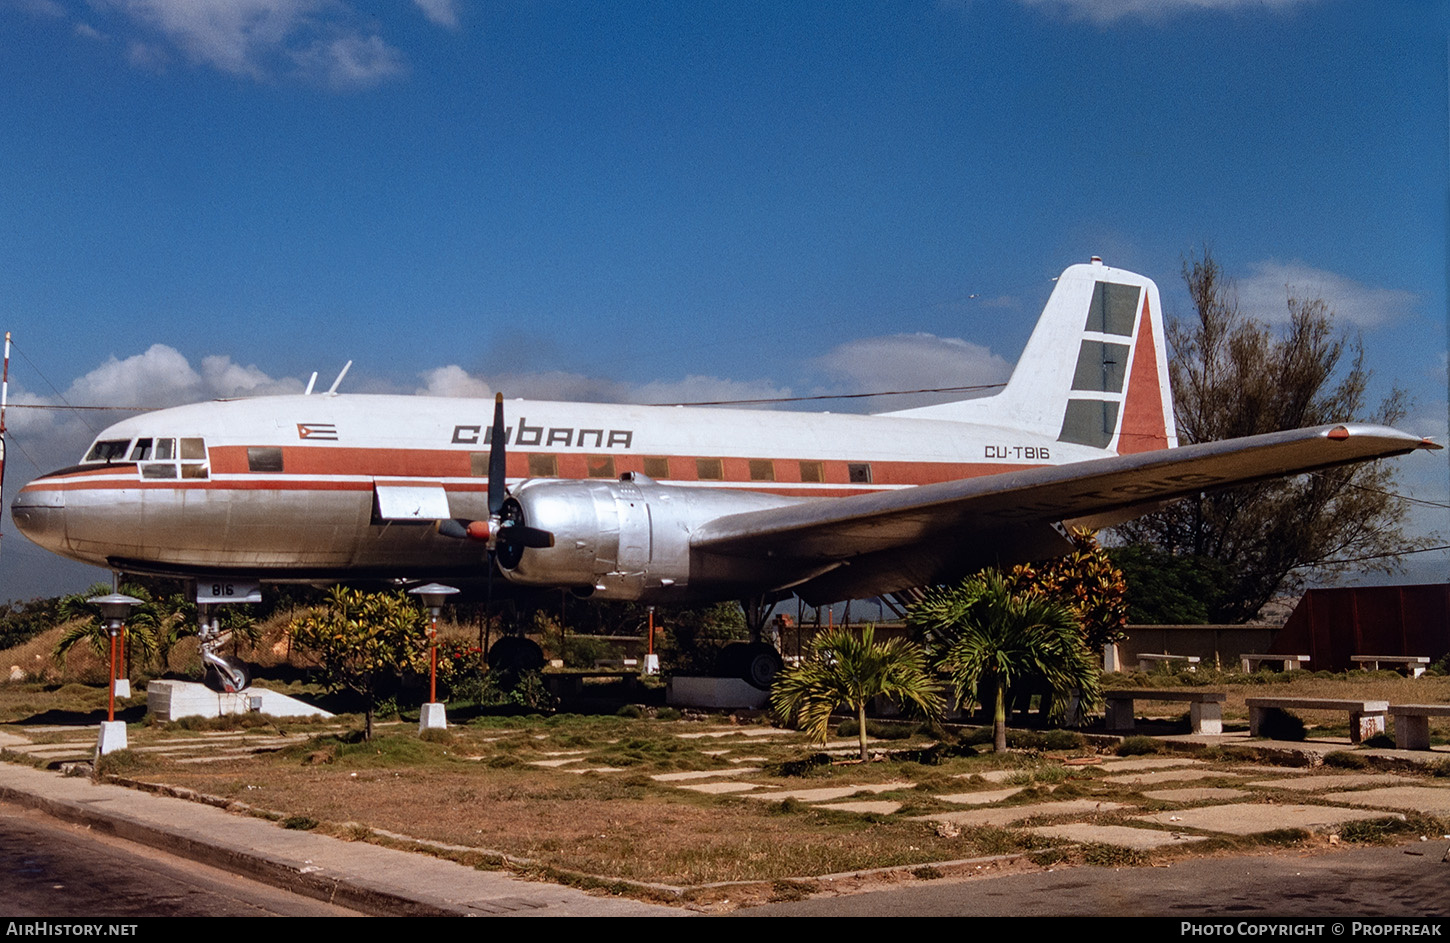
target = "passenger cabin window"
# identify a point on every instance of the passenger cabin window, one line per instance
(657, 467)
(762, 469)
(813, 471)
(108, 450)
(543, 466)
(600, 466)
(859, 473)
(709, 469)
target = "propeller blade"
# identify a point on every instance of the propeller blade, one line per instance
(497, 459)
(531, 536)
(458, 530)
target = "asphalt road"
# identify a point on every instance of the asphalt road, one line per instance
(55, 870)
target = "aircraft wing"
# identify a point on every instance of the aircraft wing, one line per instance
(933, 524)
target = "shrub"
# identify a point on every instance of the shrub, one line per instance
(1063, 740)
(1137, 746)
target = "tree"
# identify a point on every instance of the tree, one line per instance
(843, 668)
(988, 637)
(362, 640)
(1232, 376)
(1087, 581)
(139, 630)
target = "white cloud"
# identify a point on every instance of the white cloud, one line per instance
(1108, 11)
(453, 380)
(322, 41)
(912, 361)
(1265, 294)
(440, 12)
(703, 389)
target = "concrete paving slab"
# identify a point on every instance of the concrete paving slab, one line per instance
(702, 774)
(999, 817)
(720, 789)
(984, 797)
(1251, 818)
(1431, 799)
(558, 763)
(1167, 776)
(1198, 794)
(1138, 764)
(864, 807)
(1333, 780)
(826, 794)
(591, 769)
(1140, 839)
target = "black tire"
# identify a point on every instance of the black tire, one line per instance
(515, 653)
(237, 676)
(760, 665)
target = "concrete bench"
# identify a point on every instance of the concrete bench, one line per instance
(1205, 708)
(1412, 724)
(1250, 661)
(1366, 718)
(1414, 664)
(1147, 661)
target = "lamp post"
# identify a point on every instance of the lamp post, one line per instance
(433, 715)
(114, 607)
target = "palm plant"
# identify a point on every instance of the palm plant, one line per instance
(87, 626)
(843, 669)
(987, 636)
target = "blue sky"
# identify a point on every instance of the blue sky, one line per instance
(666, 201)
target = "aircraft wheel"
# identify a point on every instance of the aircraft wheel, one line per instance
(235, 676)
(515, 653)
(760, 665)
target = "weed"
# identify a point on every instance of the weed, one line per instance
(1381, 741)
(790, 890)
(1344, 759)
(1137, 746)
(927, 873)
(632, 711)
(804, 767)
(1283, 837)
(1441, 768)
(1385, 831)
(1048, 858)
(301, 823)
(121, 762)
(1112, 856)
(668, 713)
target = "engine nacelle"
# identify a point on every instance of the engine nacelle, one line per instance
(623, 540)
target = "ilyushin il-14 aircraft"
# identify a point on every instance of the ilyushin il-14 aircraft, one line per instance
(671, 504)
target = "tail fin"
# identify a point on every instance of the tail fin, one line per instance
(1094, 372)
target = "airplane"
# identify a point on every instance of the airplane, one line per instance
(671, 504)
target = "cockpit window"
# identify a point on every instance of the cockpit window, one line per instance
(108, 450)
(142, 451)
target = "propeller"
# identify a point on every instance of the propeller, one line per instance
(504, 531)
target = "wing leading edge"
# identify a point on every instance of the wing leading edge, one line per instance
(993, 518)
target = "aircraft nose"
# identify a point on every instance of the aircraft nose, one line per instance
(39, 514)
